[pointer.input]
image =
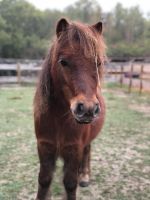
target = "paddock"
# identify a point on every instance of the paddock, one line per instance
(120, 155)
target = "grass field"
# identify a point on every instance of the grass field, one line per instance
(120, 155)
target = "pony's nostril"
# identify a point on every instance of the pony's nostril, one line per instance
(96, 109)
(80, 109)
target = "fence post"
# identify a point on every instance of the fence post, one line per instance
(18, 73)
(130, 83)
(141, 79)
(121, 76)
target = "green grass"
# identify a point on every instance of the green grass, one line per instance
(120, 155)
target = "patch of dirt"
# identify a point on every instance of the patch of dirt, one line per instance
(141, 108)
(15, 98)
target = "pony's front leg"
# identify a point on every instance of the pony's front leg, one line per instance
(84, 172)
(47, 159)
(71, 169)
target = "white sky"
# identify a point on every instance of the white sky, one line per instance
(106, 5)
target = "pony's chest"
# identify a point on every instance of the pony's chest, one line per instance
(64, 129)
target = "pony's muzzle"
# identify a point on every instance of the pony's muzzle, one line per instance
(85, 113)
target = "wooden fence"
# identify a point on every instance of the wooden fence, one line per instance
(18, 74)
(124, 74)
(131, 73)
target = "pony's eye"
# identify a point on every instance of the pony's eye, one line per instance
(63, 62)
(98, 63)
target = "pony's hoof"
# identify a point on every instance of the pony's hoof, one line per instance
(84, 183)
(84, 180)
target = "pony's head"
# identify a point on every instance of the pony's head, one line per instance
(77, 57)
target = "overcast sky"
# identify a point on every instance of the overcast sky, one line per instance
(106, 5)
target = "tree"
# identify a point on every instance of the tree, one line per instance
(25, 31)
(87, 11)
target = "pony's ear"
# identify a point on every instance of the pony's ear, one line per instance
(98, 27)
(62, 25)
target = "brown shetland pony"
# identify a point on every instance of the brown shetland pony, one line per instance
(68, 106)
